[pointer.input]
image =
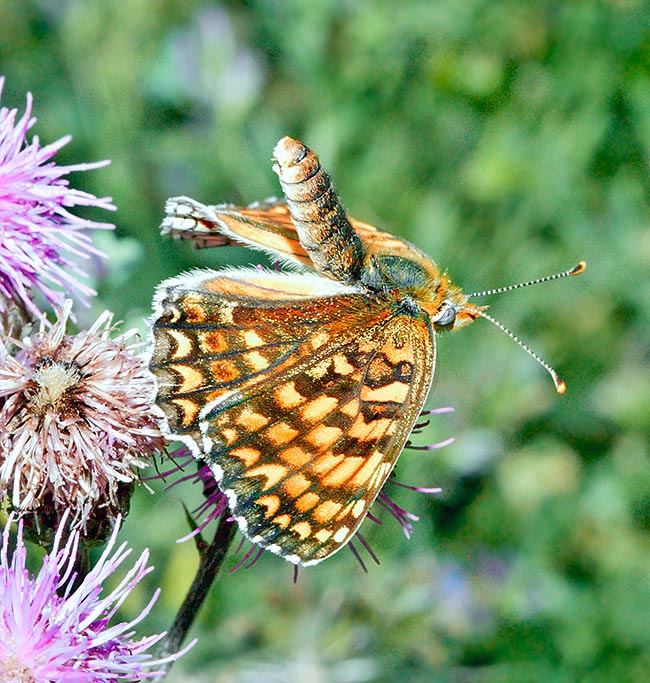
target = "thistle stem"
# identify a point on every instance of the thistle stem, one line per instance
(210, 563)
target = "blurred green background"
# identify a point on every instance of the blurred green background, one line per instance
(506, 139)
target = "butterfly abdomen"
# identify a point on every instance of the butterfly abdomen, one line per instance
(321, 222)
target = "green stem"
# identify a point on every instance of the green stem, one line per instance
(210, 563)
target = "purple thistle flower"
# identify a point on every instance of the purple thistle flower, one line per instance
(214, 502)
(53, 628)
(40, 240)
(76, 422)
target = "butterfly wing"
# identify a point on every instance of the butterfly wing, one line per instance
(267, 226)
(299, 391)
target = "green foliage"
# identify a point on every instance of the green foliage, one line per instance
(506, 139)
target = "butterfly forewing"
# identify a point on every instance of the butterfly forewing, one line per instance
(304, 433)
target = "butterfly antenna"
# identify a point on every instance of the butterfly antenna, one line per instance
(560, 385)
(576, 270)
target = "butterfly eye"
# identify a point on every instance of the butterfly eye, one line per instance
(446, 317)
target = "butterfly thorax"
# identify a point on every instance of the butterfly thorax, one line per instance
(414, 287)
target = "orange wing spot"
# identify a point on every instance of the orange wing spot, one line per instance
(379, 370)
(397, 354)
(211, 395)
(249, 456)
(257, 361)
(282, 521)
(395, 392)
(296, 485)
(273, 473)
(341, 534)
(323, 535)
(182, 342)
(368, 469)
(351, 408)
(251, 421)
(341, 365)
(191, 378)
(280, 433)
(345, 511)
(367, 431)
(213, 341)
(307, 501)
(326, 462)
(223, 371)
(295, 456)
(319, 408)
(287, 397)
(326, 511)
(319, 339)
(194, 308)
(322, 436)
(339, 475)
(189, 408)
(271, 503)
(366, 345)
(303, 529)
(230, 435)
(252, 339)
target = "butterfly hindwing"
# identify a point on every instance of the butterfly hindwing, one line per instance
(205, 343)
(267, 226)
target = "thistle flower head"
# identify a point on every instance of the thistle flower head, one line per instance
(75, 415)
(41, 242)
(53, 628)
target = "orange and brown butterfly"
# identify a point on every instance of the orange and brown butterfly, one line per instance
(299, 388)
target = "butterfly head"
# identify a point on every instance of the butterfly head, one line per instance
(448, 307)
(417, 278)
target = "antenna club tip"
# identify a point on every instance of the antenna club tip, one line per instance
(580, 268)
(560, 386)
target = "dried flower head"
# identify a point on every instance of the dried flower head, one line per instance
(76, 420)
(42, 242)
(54, 628)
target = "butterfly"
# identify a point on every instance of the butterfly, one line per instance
(299, 387)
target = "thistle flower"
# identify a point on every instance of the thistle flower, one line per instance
(214, 502)
(53, 628)
(41, 241)
(75, 415)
